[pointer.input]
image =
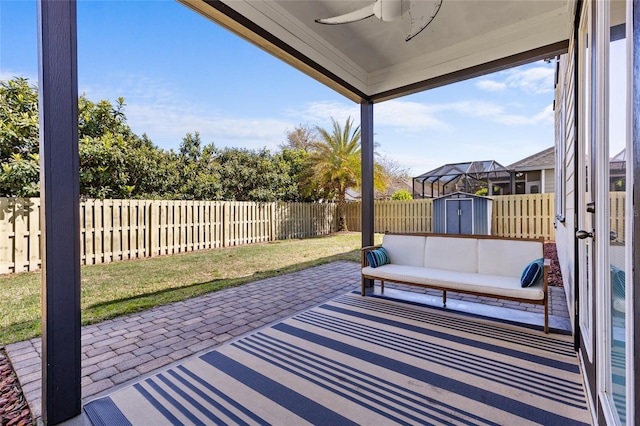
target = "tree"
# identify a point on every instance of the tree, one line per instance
(102, 167)
(303, 138)
(19, 176)
(336, 164)
(199, 177)
(248, 175)
(19, 142)
(18, 119)
(392, 169)
(101, 118)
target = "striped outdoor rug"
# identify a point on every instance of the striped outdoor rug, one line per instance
(365, 361)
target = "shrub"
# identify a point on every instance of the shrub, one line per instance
(401, 194)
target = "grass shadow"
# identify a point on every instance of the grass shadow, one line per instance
(19, 331)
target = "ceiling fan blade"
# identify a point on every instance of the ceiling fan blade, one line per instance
(422, 13)
(356, 15)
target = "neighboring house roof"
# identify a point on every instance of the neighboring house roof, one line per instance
(620, 157)
(397, 185)
(545, 159)
(618, 164)
(352, 195)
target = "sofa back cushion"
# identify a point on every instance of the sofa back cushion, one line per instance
(507, 258)
(404, 249)
(451, 254)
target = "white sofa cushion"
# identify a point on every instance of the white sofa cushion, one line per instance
(451, 254)
(506, 258)
(450, 280)
(405, 249)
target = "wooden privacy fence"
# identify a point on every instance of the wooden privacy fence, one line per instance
(617, 215)
(128, 229)
(113, 230)
(394, 216)
(526, 216)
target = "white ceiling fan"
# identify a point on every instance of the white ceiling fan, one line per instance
(421, 13)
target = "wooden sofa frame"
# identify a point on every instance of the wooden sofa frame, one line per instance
(547, 263)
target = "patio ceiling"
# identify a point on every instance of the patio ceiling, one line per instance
(370, 60)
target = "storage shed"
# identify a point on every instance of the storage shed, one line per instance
(462, 213)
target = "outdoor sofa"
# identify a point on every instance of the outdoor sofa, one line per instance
(504, 268)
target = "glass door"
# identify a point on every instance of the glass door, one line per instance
(615, 306)
(586, 205)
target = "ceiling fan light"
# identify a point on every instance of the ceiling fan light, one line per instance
(388, 10)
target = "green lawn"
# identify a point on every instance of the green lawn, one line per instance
(129, 286)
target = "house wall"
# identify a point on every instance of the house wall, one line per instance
(549, 181)
(565, 132)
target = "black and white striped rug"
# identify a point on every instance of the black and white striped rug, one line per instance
(369, 361)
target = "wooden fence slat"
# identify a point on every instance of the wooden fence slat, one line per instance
(34, 234)
(116, 230)
(7, 232)
(141, 236)
(19, 241)
(89, 257)
(107, 244)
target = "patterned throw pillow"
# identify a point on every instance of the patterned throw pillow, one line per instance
(378, 257)
(532, 273)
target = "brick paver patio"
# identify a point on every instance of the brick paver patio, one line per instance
(117, 351)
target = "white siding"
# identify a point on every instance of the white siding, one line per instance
(565, 238)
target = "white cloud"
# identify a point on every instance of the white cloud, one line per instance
(533, 81)
(407, 115)
(546, 116)
(473, 108)
(154, 107)
(416, 164)
(413, 117)
(322, 112)
(491, 85)
(166, 127)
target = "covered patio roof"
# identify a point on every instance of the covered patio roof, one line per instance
(370, 60)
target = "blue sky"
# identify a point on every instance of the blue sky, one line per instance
(179, 73)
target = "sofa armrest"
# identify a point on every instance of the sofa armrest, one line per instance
(364, 251)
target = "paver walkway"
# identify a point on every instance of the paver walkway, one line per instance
(126, 348)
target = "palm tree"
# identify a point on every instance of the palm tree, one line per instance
(336, 164)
